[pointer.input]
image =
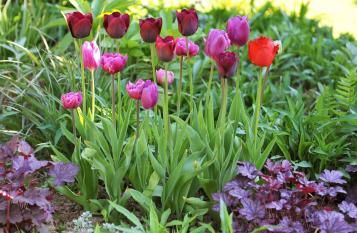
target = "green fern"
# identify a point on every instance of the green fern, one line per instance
(346, 90)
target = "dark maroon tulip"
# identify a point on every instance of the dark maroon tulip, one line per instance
(165, 48)
(150, 28)
(227, 64)
(187, 21)
(116, 24)
(79, 24)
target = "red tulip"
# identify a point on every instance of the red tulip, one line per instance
(71, 100)
(116, 24)
(181, 47)
(113, 62)
(187, 21)
(150, 28)
(79, 24)
(165, 48)
(227, 64)
(262, 51)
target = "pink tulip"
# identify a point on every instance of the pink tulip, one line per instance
(149, 95)
(216, 43)
(71, 100)
(90, 55)
(181, 47)
(238, 30)
(160, 75)
(113, 62)
(135, 89)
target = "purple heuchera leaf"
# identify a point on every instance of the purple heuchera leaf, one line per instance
(63, 173)
(252, 209)
(34, 196)
(239, 193)
(25, 166)
(288, 226)
(331, 222)
(351, 168)
(248, 170)
(24, 148)
(277, 205)
(348, 208)
(332, 177)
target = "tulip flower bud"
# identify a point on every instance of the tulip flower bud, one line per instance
(116, 24)
(227, 64)
(216, 43)
(79, 24)
(150, 28)
(278, 43)
(238, 30)
(165, 48)
(113, 62)
(160, 76)
(150, 95)
(71, 100)
(181, 47)
(134, 90)
(90, 55)
(262, 51)
(187, 21)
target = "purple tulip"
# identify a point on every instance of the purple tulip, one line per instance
(113, 62)
(160, 75)
(227, 64)
(90, 55)
(71, 100)
(134, 90)
(238, 30)
(217, 42)
(149, 95)
(181, 47)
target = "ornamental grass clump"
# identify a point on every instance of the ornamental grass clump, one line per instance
(285, 200)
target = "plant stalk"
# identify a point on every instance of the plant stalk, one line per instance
(238, 71)
(119, 95)
(74, 125)
(83, 79)
(179, 89)
(208, 94)
(113, 101)
(152, 50)
(189, 75)
(257, 106)
(223, 100)
(137, 118)
(166, 103)
(93, 95)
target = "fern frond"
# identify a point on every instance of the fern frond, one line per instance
(346, 90)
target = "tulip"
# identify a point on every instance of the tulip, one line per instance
(116, 24)
(113, 62)
(71, 100)
(79, 24)
(160, 75)
(187, 21)
(90, 55)
(238, 30)
(181, 47)
(262, 51)
(149, 95)
(134, 90)
(150, 28)
(227, 64)
(216, 43)
(165, 48)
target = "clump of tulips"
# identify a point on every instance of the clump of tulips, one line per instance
(222, 47)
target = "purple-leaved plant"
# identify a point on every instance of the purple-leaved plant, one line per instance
(24, 202)
(285, 200)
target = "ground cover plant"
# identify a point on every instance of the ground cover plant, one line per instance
(157, 108)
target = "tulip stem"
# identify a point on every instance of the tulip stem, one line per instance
(166, 103)
(152, 49)
(238, 71)
(83, 78)
(119, 95)
(265, 82)
(113, 102)
(74, 125)
(257, 106)
(208, 95)
(93, 94)
(137, 118)
(190, 77)
(223, 101)
(179, 89)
